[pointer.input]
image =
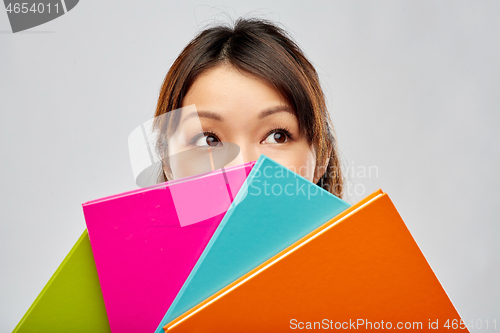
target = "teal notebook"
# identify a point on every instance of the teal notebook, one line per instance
(274, 208)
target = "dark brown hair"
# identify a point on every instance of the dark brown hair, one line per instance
(261, 48)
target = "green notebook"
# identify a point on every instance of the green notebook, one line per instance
(72, 299)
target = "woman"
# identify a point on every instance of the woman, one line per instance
(253, 86)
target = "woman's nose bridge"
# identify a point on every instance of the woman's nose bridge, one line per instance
(248, 151)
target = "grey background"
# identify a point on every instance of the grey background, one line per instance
(413, 90)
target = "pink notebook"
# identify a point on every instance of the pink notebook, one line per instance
(145, 242)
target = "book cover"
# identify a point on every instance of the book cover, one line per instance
(145, 242)
(361, 270)
(274, 208)
(72, 299)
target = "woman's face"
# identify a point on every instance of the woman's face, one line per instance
(235, 106)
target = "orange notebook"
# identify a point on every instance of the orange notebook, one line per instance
(361, 270)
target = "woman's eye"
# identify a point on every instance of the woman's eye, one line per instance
(208, 140)
(276, 137)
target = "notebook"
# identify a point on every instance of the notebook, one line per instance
(361, 270)
(274, 208)
(145, 242)
(72, 300)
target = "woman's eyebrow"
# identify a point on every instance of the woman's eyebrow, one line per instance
(204, 114)
(275, 109)
(210, 114)
(264, 113)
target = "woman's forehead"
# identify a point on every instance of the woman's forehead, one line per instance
(225, 88)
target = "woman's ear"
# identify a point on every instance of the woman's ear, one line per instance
(321, 169)
(167, 171)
